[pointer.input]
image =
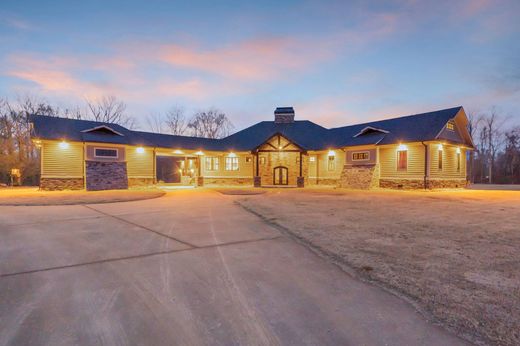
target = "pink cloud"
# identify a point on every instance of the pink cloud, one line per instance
(258, 59)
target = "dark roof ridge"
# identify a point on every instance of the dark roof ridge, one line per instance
(398, 117)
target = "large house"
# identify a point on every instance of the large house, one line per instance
(417, 151)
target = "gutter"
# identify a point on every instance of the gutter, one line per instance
(425, 164)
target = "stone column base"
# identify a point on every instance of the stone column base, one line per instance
(300, 181)
(257, 181)
(200, 181)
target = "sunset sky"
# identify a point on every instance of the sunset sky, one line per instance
(337, 63)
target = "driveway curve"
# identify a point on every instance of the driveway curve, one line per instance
(187, 268)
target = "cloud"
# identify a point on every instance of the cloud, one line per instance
(15, 22)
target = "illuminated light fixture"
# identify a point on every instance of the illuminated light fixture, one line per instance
(232, 154)
(458, 150)
(280, 147)
(440, 147)
(64, 145)
(180, 170)
(178, 151)
(199, 153)
(332, 153)
(402, 147)
(192, 170)
(139, 150)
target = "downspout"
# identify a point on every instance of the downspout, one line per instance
(426, 160)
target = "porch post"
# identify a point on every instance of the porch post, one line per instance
(301, 180)
(257, 181)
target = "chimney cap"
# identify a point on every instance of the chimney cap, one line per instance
(284, 115)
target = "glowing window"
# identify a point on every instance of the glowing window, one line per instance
(231, 163)
(402, 160)
(211, 163)
(105, 153)
(331, 163)
(450, 126)
(361, 156)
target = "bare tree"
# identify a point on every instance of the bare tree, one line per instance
(493, 139)
(109, 109)
(474, 122)
(210, 123)
(176, 121)
(155, 123)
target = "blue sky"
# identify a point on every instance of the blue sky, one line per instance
(336, 62)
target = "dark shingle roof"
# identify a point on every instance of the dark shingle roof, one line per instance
(306, 134)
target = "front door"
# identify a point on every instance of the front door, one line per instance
(280, 175)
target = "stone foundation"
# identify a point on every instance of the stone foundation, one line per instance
(406, 184)
(200, 181)
(359, 177)
(54, 184)
(103, 175)
(447, 184)
(415, 184)
(134, 182)
(228, 181)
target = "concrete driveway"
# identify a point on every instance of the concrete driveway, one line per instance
(190, 268)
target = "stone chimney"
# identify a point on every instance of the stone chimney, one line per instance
(284, 115)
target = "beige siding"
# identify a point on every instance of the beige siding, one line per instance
(449, 162)
(139, 165)
(320, 167)
(62, 162)
(388, 162)
(245, 169)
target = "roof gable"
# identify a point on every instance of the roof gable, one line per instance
(103, 129)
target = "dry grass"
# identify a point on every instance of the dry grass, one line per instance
(456, 253)
(32, 196)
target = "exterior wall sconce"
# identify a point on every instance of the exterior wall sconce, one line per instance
(139, 150)
(64, 145)
(178, 151)
(232, 154)
(440, 147)
(199, 153)
(332, 153)
(402, 147)
(458, 150)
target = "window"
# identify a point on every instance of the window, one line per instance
(458, 161)
(439, 159)
(402, 160)
(312, 158)
(361, 156)
(262, 160)
(332, 163)
(105, 153)
(231, 163)
(450, 125)
(211, 163)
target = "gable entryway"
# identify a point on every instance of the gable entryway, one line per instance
(279, 161)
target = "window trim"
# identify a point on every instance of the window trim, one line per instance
(214, 166)
(329, 161)
(232, 165)
(105, 157)
(405, 169)
(360, 152)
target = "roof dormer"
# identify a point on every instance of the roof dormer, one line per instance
(369, 130)
(104, 129)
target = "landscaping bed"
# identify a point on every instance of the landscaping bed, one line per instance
(33, 196)
(453, 253)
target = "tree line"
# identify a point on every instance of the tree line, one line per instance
(19, 152)
(496, 158)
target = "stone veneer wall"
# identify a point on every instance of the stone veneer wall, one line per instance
(102, 175)
(53, 184)
(133, 182)
(414, 184)
(447, 183)
(408, 184)
(359, 177)
(284, 159)
(228, 181)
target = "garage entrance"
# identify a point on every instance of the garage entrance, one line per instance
(169, 169)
